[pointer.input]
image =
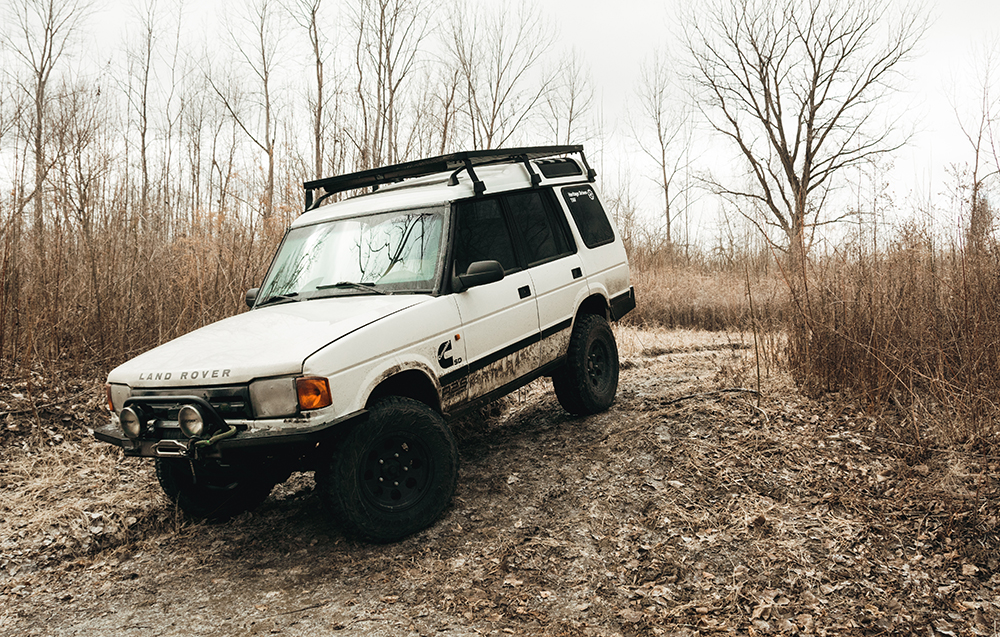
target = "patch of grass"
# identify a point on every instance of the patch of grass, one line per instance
(691, 296)
(911, 328)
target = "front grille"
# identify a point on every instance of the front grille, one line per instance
(232, 402)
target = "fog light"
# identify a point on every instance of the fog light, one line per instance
(132, 422)
(191, 421)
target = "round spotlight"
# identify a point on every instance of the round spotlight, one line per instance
(191, 421)
(131, 422)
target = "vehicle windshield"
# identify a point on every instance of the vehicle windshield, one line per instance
(398, 251)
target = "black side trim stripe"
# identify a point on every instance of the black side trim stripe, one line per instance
(454, 377)
(544, 370)
(555, 329)
(485, 361)
(472, 368)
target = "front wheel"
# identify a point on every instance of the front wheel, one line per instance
(587, 383)
(210, 490)
(393, 474)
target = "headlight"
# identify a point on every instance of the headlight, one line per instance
(132, 422)
(117, 394)
(191, 421)
(274, 397)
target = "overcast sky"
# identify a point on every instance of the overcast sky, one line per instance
(616, 35)
(612, 38)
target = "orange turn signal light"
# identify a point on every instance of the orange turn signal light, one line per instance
(313, 392)
(107, 394)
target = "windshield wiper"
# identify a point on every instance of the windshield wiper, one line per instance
(367, 287)
(279, 298)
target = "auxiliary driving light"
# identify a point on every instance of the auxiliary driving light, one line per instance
(132, 422)
(191, 421)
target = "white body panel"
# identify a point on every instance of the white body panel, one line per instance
(408, 340)
(271, 341)
(497, 319)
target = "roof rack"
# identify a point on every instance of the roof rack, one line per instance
(457, 162)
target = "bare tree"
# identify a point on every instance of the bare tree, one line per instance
(258, 50)
(796, 86)
(570, 100)
(140, 64)
(389, 36)
(39, 33)
(307, 13)
(498, 52)
(662, 129)
(981, 128)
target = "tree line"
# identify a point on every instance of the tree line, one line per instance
(143, 195)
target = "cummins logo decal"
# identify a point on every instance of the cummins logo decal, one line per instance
(445, 358)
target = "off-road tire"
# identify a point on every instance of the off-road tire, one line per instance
(209, 490)
(393, 474)
(587, 383)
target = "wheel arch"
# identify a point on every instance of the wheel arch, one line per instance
(408, 383)
(594, 304)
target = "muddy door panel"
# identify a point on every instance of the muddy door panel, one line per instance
(500, 331)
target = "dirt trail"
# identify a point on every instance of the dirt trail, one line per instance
(685, 509)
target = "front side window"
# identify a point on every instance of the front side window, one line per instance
(395, 251)
(482, 235)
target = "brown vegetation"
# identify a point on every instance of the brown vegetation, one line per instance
(112, 286)
(913, 327)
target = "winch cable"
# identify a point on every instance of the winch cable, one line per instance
(216, 438)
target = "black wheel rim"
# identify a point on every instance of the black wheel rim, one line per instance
(598, 364)
(395, 472)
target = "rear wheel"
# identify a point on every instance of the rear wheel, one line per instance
(393, 474)
(210, 490)
(587, 383)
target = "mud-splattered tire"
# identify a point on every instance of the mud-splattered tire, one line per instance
(393, 474)
(209, 490)
(587, 383)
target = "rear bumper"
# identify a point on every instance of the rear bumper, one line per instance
(245, 441)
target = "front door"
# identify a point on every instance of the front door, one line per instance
(499, 320)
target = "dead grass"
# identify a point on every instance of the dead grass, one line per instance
(65, 494)
(698, 297)
(88, 300)
(912, 329)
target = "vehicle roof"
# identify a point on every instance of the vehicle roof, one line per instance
(432, 190)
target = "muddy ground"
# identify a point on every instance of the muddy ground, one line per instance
(688, 508)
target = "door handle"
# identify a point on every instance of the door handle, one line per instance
(577, 273)
(524, 292)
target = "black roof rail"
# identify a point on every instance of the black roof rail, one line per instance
(456, 162)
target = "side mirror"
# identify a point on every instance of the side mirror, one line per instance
(252, 296)
(479, 273)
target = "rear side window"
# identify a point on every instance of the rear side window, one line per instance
(482, 236)
(544, 238)
(588, 213)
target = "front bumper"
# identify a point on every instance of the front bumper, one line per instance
(245, 440)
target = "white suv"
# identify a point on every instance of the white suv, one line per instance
(455, 281)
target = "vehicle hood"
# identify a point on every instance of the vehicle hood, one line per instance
(270, 341)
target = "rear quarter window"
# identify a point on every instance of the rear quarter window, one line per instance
(589, 215)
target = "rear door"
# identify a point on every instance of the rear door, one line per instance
(555, 266)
